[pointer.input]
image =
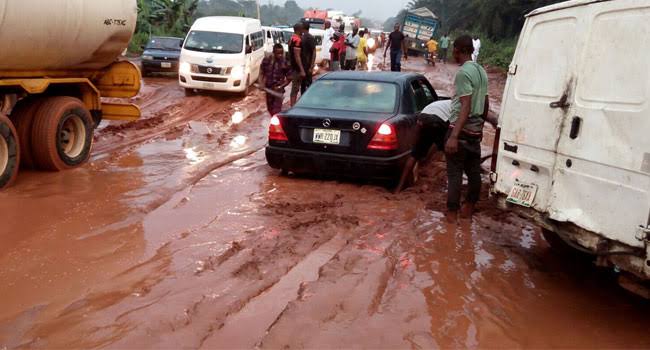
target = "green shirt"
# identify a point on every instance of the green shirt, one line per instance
(471, 80)
(444, 42)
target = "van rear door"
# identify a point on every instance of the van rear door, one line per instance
(537, 101)
(602, 179)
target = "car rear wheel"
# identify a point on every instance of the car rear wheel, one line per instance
(9, 152)
(62, 134)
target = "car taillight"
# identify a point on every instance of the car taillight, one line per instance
(385, 138)
(276, 133)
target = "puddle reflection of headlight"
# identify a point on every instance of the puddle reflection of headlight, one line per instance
(237, 117)
(238, 142)
(193, 156)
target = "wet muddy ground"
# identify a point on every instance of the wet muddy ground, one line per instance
(178, 235)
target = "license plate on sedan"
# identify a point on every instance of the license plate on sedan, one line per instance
(523, 194)
(328, 137)
(165, 65)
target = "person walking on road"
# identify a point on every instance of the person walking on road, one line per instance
(432, 49)
(444, 48)
(362, 51)
(476, 42)
(308, 57)
(275, 76)
(327, 45)
(295, 58)
(469, 111)
(397, 45)
(352, 43)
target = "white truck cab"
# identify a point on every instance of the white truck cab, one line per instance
(222, 54)
(574, 152)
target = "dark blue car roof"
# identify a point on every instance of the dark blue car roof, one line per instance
(383, 77)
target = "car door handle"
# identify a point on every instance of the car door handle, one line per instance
(562, 103)
(576, 123)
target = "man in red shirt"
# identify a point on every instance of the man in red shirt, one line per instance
(295, 51)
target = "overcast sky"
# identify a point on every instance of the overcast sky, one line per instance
(375, 9)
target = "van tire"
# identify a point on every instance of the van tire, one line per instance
(189, 92)
(247, 87)
(23, 118)
(9, 152)
(62, 134)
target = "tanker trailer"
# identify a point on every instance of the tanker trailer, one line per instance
(58, 62)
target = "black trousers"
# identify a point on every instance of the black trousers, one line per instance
(467, 160)
(307, 81)
(432, 131)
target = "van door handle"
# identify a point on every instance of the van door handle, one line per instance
(575, 127)
(562, 103)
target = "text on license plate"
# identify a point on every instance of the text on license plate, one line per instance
(165, 65)
(523, 194)
(330, 137)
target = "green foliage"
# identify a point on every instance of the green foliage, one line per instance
(163, 18)
(497, 53)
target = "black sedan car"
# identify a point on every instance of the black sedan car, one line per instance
(351, 124)
(161, 54)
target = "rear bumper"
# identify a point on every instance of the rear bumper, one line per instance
(156, 66)
(381, 168)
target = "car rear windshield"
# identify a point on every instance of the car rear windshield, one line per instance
(165, 44)
(214, 42)
(351, 95)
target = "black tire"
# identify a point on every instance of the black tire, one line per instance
(62, 134)
(247, 89)
(189, 92)
(557, 244)
(23, 118)
(9, 152)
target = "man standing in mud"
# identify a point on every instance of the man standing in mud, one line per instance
(397, 45)
(295, 53)
(275, 77)
(469, 111)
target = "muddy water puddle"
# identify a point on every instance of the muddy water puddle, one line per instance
(178, 235)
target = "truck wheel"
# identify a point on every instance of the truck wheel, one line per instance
(62, 134)
(9, 152)
(23, 118)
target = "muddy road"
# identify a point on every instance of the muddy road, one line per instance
(178, 235)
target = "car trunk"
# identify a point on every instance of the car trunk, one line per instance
(356, 130)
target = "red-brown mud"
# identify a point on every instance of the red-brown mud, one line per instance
(178, 235)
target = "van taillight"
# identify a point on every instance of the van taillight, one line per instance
(276, 133)
(385, 138)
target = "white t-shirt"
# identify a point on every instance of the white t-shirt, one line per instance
(441, 109)
(327, 43)
(477, 46)
(351, 53)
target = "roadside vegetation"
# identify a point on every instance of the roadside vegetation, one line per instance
(496, 22)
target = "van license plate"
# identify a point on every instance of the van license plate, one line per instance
(523, 194)
(208, 85)
(328, 137)
(165, 65)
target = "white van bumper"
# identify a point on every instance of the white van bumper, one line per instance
(211, 82)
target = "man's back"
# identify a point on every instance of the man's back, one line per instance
(308, 49)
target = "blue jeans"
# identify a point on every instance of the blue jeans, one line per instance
(396, 60)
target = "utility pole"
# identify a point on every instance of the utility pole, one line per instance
(259, 12)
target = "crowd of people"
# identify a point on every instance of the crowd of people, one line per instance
(455, 126)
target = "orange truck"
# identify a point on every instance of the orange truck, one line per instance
(59, 63)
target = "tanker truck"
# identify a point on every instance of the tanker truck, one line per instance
(58, 64)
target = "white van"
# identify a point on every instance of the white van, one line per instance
(272, 36)
(575, 131)
(222, 54)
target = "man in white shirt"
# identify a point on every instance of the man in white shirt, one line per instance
(327, 44)
(477, 48)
